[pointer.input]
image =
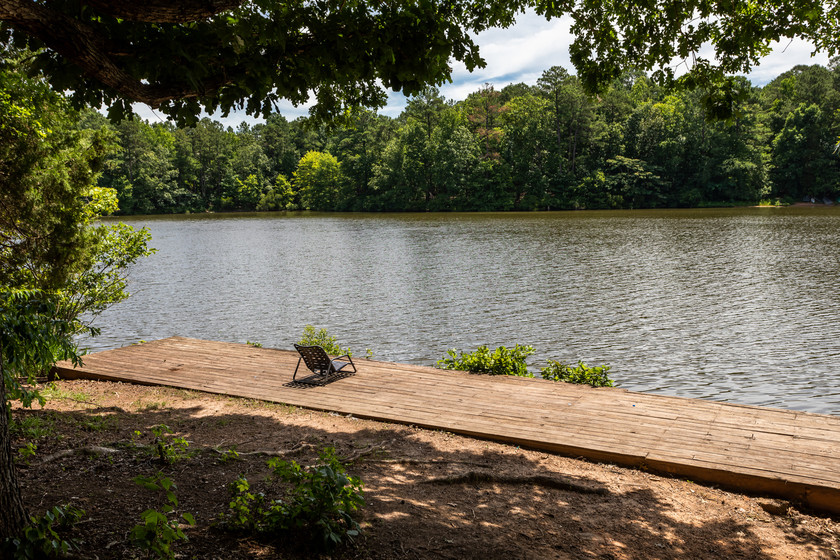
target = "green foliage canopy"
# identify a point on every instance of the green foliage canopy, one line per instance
(46, 179)
(248, 54)
(32, 338)
(234, 54)
(613, 35)
(49, 204)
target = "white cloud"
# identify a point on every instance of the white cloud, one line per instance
(395, 104)
(786, 54)
(533, 45)
(288, 110)
(233, 120)
(520, 53)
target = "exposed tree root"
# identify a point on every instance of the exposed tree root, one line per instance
(430, 462)
(359, 453)
(304, 445)
(474, 477)
(89, 450)
(280, 453)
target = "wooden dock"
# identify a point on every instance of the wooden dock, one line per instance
(787, 454)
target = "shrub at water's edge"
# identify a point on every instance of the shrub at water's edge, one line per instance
(501, 361)
(504, 361)
(581, 373)
(322, 338)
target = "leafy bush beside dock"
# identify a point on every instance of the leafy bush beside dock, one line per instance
(504, 361)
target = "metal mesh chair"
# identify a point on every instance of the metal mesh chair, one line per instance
(319, 363)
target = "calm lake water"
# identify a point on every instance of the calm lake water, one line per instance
(740, 305)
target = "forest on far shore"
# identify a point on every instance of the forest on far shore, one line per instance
(545, 147)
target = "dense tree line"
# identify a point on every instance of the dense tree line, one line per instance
(548, 146)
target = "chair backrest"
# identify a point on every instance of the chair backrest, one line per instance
(315, 357)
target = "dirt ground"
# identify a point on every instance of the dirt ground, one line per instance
(429, 494)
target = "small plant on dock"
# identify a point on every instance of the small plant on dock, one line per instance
(317, 501)
(322, 338)
(40, 538)
(501, 361)
(159, 529)
(596, 376)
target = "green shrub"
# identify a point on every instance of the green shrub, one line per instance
(158, 531)
(244, 509)
(322, 338)
(581, 373)
(317, 502)
(502, 361)
(27, 452)
(505, 361)
(40, 539)
(229, 455)
(170, 450)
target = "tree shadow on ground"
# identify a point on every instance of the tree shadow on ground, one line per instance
(429, 494)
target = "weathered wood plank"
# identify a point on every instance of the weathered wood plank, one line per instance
(784, 453)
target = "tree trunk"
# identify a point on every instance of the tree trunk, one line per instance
(12, 512)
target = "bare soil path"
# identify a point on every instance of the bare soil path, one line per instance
(430, 494)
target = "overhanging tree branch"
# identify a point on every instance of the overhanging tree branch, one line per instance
(164, 11)
(80, 44)
(185, 57)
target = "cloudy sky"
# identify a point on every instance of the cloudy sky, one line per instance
(522, 52)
